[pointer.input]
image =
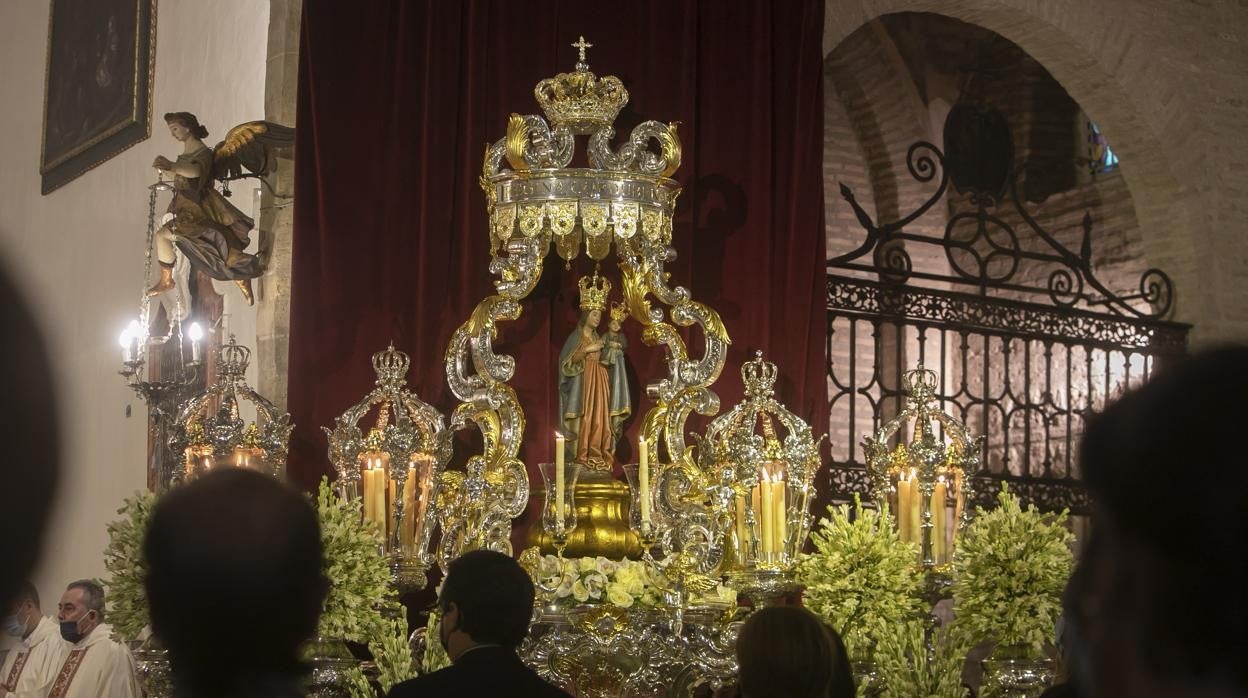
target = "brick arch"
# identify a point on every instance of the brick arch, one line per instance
(1105, 69)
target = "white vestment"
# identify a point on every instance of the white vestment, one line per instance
(95, 667)
(30, 668)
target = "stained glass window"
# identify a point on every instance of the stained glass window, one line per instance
(1101, 158)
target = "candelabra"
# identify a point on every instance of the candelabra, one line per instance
(209, 431)
(393, 471)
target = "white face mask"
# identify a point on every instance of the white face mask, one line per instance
(13, 627)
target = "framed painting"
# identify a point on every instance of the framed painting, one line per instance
(98, 94)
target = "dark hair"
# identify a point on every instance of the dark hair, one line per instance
(26, 591)
(188, 120)
(92, 595)
(234, 579)
(1172, 582)
(29, 418)
(786, 652)
(493, 594)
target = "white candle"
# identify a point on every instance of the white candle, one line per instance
(939, 545)
(643, 480)
(903, 507)
(768, 514)
(559, 487)
(781, 497)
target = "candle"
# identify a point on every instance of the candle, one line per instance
(756, 505)
(779, 529)
(769, 516)
(916, 502)
(369, 484)
(939, 543)
(903, 506)
(743, 542)
(408, 533)
(559, 487)
(643, 481)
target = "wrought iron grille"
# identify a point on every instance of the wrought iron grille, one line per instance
(1027, 340)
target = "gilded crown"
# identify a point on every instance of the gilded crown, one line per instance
(921, 383)
(619, 311)
(391, 366)
(232, 359)
(580, 100)
(594, 292)
(759, 376)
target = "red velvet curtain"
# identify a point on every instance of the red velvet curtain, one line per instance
(397, 102)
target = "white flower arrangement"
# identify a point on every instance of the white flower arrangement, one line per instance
(622, 583)
(1010, 568)
(862, 577)
(123, 558)
(359, 578)
(905, 670)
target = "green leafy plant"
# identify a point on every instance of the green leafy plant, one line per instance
(906, 670)
(359, 578)
(123, 558)
(861, 578)
(1010, 567)
(435, 656)
(392, 655)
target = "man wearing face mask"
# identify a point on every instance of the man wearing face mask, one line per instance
(30, 667)
(96, 665)
(486, 604)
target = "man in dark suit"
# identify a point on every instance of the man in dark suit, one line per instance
(486, 604)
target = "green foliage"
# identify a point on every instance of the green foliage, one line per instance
(359, 578)
(123, 558)
(392, 655)
(906, 671)
(861, 577)
(358, 685)
(1010, 568)
(435, 657)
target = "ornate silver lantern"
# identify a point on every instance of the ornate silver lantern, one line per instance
(393, 471)
(926, 483)
(764, 459)
(210, 432)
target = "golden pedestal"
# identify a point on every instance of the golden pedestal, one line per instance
(602, 507)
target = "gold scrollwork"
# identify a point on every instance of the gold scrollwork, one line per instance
(670, 144)
(517, 140)
(562, 215)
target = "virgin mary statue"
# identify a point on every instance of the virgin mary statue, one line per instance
(592, 406)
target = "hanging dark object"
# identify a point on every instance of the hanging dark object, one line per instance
(979, 150)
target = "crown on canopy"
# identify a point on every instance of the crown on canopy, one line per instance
(594, 292)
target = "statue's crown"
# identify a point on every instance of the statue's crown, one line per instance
(594, 292)
(580, 100)
(759, 376)
(391, 366)
(619, 311)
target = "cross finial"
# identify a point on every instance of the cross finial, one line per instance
(580, 45)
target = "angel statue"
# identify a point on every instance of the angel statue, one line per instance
(593, 388)
(207, 228)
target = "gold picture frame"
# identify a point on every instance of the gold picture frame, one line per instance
(97, 85)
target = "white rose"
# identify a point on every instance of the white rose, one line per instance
(579, 592)
(596, 583)
(619, 596)
(564, 589)
(587, 564)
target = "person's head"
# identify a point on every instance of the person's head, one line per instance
(234, 578)
(24, 612)
(183, 125)
(785, 651)
(81, 609)
(486, 599)
(28, 423)
(614, 325)
(1156, 606)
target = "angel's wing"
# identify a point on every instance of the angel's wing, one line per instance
(250, 146)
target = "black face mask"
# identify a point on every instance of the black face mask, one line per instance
(71, 631)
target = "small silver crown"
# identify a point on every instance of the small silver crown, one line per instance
(921, 383)
(232, 359)
(759, 376)
(391, 366)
